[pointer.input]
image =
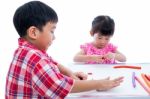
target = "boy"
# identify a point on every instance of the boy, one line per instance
(32, 73)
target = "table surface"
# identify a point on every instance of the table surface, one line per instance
(124, 91)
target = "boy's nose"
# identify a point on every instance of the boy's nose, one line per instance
(54, 37)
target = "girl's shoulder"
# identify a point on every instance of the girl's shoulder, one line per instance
(111, 46)
(86, 44)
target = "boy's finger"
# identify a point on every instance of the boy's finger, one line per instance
(106, 78)
(119, 78)
(116, 84)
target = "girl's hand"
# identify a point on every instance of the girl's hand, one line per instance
(109, 84)
(98, 58)
(109, 56)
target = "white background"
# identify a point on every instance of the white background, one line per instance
(132, 20)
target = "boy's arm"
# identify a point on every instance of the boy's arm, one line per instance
(48, 82)
(87, 85)
(68, 72)
(82, 57)
(64, 70)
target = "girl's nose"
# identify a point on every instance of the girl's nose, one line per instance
(103, 41)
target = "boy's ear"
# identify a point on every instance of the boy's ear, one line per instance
(32, 32)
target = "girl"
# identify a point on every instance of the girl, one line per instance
(100, 50)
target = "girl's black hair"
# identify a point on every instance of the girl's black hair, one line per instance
(103, 25)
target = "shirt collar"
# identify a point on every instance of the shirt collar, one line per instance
(25, 43)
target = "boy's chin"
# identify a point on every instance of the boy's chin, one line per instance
(46, 49)
(49, 44)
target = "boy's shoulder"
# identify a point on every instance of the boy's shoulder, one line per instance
(28, 51)
(30, 54)
(37, 53)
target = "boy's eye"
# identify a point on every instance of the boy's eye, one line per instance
(107, 38)
(52, 32)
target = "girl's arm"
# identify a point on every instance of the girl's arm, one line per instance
(119, 57)
(82, 57)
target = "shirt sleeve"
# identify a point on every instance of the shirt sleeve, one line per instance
(53, 61)
(112, 47)
(84, 47)
(49, 82)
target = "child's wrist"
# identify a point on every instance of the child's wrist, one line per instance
(114, 56)
(91, 58)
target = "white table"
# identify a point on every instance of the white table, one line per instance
(124, 91)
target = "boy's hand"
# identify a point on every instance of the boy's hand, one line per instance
(109, 84)
(79, 76)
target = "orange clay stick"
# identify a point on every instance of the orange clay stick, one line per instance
(141, 83)
(145, 79)
(125, 66)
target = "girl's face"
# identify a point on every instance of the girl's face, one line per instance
(101, 41)
(46, 36)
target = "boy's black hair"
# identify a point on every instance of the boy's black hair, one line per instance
(103, 25)
(33, 13)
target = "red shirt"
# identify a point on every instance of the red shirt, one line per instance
(34, 75)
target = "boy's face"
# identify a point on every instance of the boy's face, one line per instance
(101, 41)
(46, 36)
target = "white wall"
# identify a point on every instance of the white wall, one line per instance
(132, 20)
